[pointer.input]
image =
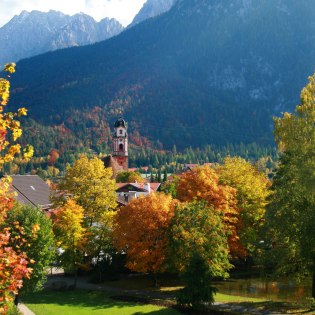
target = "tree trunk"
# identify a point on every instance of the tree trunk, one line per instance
(75, 277)
(155, 280)
(16, 299)
(313, 284)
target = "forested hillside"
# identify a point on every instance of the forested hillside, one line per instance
(199, 74)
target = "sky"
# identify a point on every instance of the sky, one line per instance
(122, 10)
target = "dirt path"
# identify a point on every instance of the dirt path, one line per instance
(24, 309)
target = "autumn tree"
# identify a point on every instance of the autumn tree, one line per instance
(291, 214)
(129, 177)
(199, 244)
(252, 190)
(37, 242)
(91, 185)
(53, 157)
(70, 235)
(202, 183)
(141, 229)
(13, 265)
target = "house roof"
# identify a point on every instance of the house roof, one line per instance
(135, 169)
(140, 186)
(31, 190)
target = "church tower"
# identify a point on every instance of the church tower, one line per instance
(120, 143)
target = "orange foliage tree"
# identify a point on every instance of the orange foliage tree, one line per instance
(202, 183)
(13, 265)
(53, 157)
(141, 229)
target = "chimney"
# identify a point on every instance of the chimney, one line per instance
(147, 187)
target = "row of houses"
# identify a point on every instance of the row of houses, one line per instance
(32, 190)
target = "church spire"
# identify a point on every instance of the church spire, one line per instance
(120, 143)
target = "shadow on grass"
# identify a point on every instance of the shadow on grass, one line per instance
(95, 300)
(265, 307)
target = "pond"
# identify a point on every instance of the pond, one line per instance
(279, 290)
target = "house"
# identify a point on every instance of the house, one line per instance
(128, 191)
(31, 190)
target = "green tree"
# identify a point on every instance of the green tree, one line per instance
(164, 175)
(199, 240)
(197, 278)
(38, 245)
(291, 214)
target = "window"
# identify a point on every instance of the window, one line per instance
(121, 147)
(120, 132)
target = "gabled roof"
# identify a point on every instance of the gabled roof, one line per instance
(139, 186)
(31, 190)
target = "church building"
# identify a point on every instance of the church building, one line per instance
(119, 160)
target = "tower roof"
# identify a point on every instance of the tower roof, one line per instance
(120, 123)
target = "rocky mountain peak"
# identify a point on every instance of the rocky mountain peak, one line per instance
(35, 32)
(152, 8)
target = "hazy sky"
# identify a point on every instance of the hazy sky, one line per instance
(123, 10)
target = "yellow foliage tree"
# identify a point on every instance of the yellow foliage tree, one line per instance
(252, 190)
(141, 229)
(70, 234)
(129, 177)
(10, 127)
(92, 187)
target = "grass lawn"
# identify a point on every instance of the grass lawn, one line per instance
(87, 302)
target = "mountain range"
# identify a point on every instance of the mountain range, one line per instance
(33, 33)
(202, 72)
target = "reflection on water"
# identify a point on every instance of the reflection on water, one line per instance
(280, 290)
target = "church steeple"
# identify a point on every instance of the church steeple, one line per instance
(120, 143)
